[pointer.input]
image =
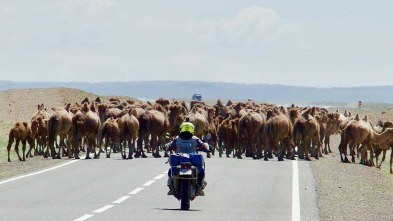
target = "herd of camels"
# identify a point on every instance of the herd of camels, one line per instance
(257, 130)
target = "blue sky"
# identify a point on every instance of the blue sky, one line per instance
(309, 43)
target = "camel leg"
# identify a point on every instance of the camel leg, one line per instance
(131, 145)
(23, 149)
(371, 160)
(76, 149)
(9, 148)
(17, 149)
(391, 159)
(383, 158)
(31, 147)
(88, 150)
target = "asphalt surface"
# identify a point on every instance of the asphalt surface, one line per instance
(111, 189)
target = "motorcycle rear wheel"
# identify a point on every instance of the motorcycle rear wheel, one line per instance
(185, 195)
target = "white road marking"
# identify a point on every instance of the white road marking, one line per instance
(121, 199)
(137, 190)
(295, 192)
(166, 172)
(148, 183)
(85, 217)
(159, 176)
(39, 172)
(103, 209)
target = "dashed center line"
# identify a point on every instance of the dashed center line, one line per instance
(137, 190)
(103, 209)
(148, 183)
(159, 176)
(85, 217)
(121, 199)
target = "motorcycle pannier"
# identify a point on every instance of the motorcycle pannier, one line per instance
(174, 160)
(196, 159)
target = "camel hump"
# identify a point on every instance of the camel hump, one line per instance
(357, 118)
(365, 118)
(24, 124)
(17, 124)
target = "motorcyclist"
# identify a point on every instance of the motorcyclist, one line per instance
(186, 142)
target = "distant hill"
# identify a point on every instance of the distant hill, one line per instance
(214, 90)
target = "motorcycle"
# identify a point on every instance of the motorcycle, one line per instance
(184, 172)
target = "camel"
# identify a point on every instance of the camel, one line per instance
(59, 124)
(250, 128)
(20, 132)
(360, 131)
(129, 128)
(163, 102)
(111, 134)
(227, 132)
(198, 117)
(176, 116)
(308, 129)
(277, 132)
(383, 147)
(86, 124)
(38, 121)
(154, 122)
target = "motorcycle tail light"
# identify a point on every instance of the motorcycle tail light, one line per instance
(186, 166)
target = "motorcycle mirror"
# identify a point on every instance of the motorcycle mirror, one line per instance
(208, 136)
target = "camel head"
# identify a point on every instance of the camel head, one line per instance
(98, 100)
(85, 107)
(86, 100)
(67, 107)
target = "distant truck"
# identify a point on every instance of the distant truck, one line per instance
(197, 97)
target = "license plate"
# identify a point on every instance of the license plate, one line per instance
(185, 172)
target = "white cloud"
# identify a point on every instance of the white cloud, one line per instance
(252, 25)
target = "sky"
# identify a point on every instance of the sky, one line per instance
(313, 43)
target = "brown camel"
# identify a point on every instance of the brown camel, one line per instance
(111, 134)
(129, 128)
(278, 129)
(228, 137)
(20, 132)
(250, 128)
(154, 122)
(308, 129)
(86, 124)
(198, 117)
(384, 147)
(38, 125)
(358, 132)
(59, 124)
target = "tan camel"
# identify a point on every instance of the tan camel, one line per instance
(59, 124)
(20, 132)
(86, 124)
(228, 137)
(154, 122)
(278, 129)
(358, 132)
(308, 129)
(111, 134)
(38, 121)
(251, 126)
(129, 128)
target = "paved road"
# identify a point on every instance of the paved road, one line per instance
(115, 189)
